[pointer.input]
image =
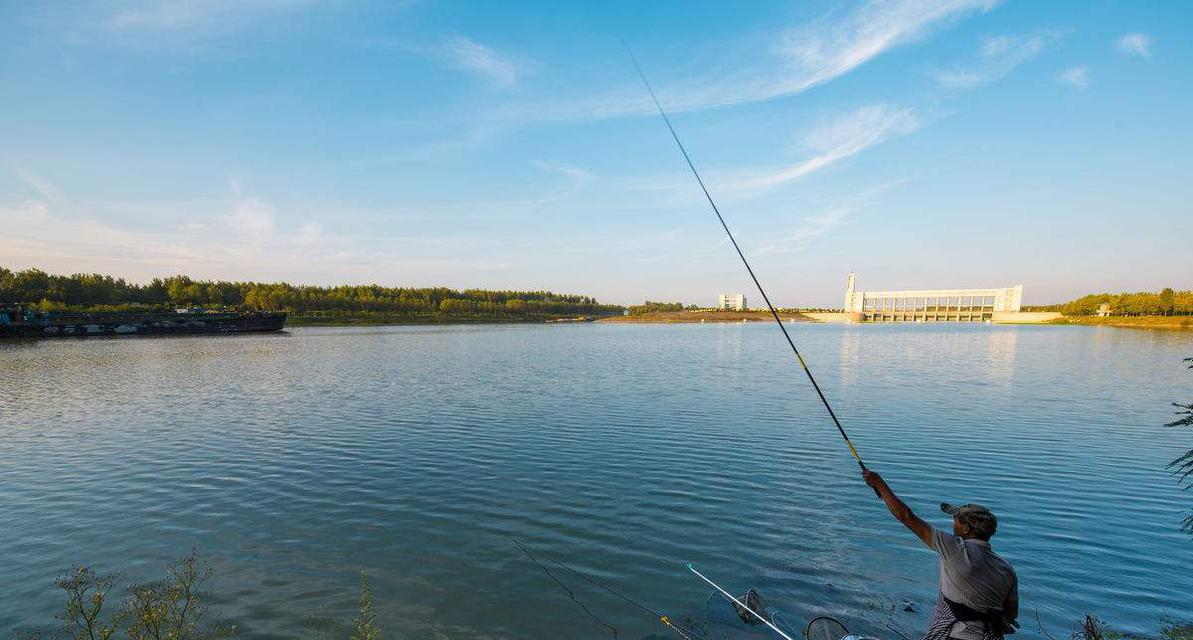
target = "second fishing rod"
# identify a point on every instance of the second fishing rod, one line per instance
(708, 196)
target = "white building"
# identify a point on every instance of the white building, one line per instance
(930, 305)
(732, 301)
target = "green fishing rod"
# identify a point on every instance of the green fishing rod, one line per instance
(832, 414)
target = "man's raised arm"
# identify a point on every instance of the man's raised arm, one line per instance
(898, 508)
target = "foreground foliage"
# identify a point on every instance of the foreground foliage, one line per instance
(366, 624)
(1094, 628)
(1182, 467)
(83, 291)
(173, 608)
(176, 608)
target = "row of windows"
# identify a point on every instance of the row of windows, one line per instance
(951, 317)
(929, 303)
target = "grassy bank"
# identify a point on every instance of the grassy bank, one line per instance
(698, 316)
(1132, 322)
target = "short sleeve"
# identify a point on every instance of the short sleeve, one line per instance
(946, 544)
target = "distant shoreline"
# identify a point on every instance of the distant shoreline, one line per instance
(705, 316)
(1178, 323)
(379, 321)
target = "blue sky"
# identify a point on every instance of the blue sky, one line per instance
(923, 144)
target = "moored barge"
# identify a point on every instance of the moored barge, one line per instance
(17, 321)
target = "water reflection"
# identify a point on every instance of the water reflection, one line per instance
(412, 451)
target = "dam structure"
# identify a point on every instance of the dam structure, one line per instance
(931, 305)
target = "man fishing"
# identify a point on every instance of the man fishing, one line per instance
(979, 593)
(979, 598)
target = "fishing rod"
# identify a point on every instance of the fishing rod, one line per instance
(739, 602)
(832, 414)
(686, 632)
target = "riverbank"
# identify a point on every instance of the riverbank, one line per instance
(1178, 323)
(674, 317)
(386, 319)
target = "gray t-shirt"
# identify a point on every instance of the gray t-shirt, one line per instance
(971, 573)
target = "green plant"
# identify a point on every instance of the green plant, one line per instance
(366, 624)
(173, 608)
(1176, 630)
(86, 595)
(1093, 628)
(1182, 467)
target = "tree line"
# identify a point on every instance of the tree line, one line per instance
(1165, 302)
(654, 307)
(97, 292)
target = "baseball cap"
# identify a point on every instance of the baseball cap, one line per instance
(979, 519)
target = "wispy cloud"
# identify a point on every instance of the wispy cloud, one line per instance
(252, 219)
(174, 15)
(471, 56)
(571, 171)
(247, 240)
(834, 215)
(795, 60)
(1076, 77)
(997, 56)
(42, 185)
(844, 136)
(826, 50)
(1135, 44)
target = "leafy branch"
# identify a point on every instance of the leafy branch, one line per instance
(1182, 467)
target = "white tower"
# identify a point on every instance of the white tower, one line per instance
(850, 283)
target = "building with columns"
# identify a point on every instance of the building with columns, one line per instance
(930, 305)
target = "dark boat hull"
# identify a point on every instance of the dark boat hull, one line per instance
(92, 325)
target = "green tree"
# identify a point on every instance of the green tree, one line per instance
(1167, 301)
(653, 307)
(97, 292)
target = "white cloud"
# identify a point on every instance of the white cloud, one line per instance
(252, 220)
(825, 51)
(1076, 77)
(309, 234)
(247, 242)
(1136, 44)
(469, 55)
(577, 174)
(997, 56)
(813, 226)
(844, 136)
(173, 15)
(833, 216)
(796, 60)
(42, 185)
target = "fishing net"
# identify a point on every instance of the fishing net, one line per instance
(825, 628)
(754, 601)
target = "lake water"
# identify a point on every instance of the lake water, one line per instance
(293, 461)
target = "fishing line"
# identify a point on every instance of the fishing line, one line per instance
(565, 588)
(686, 632)
(757, 284)
(740, 603)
